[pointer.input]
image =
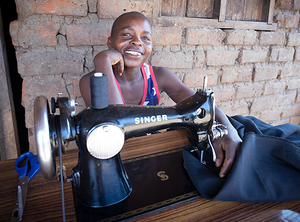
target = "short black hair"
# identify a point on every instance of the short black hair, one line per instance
(119, 19)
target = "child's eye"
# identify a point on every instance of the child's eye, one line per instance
(146, 38)
(126, 34)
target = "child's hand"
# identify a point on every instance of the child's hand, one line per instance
(117, 61)
(226, 149)
(110, 57)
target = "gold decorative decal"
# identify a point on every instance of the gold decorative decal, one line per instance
(163, 176)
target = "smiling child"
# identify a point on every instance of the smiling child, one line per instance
(131, 81)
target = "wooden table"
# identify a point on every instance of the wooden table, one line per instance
(44, 196)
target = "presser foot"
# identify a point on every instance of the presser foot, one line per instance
(205, 157)
(203, 153)
(205, 139)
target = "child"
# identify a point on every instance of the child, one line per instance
(130, 44)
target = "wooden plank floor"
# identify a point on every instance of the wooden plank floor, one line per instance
(44, 196)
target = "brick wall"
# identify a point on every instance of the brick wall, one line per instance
(252, 72)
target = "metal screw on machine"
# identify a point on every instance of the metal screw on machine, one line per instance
(205, 83)
(73, 105)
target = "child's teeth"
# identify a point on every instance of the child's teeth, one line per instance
(133, 53)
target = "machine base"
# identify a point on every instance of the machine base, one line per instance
(158, 180)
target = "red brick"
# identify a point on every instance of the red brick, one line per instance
(285, 4)
(165, 100)
(286, 54)
(180, 60)
(194, 79)
(292, 110)
(294, 83)
(221, 57)
(297, 54)
(297, 4)
(272, 87)
(234, 37)
(76, 89)
(224, 93)
(272, 115)
(236, 75)
(40, 34)
(199, 58)
(282, 54)
(286, 99)
(114, 8)
(49, 63)
(249, 90)
(290, 20)
(272, 38)
(92, 4)
(265, 73)
(81, 105)
(36, 86)
(88, 34)
(294, 39)
(290, 70)
(251, 56)
(163, 36)
(240, 37)
(204, 36)
(235, 107)
(295, 120)
(263, 103)
(54, 7)
(298, 96)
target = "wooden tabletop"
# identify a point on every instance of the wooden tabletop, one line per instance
(44, 196)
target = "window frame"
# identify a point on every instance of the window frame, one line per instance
(221, 22)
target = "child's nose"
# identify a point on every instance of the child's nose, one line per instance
(136, 40)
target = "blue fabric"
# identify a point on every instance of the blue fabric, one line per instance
(152, 92)
(151, 98)
(267, 168)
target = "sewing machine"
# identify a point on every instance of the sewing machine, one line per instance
(100, 180)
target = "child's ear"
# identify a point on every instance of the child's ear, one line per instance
(108, 43)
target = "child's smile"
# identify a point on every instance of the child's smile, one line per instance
(133, 53)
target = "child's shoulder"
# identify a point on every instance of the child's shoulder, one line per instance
(162, 72)
(165, 78)
(84, 83)
(86, 78)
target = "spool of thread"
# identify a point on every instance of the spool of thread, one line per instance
(99, 90)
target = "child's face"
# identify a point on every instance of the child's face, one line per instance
(132, 38)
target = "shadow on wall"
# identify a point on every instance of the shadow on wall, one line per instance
(9, 14)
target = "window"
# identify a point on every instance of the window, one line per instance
(237, 14)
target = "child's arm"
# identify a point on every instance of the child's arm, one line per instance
(104, 63)
(228, 144)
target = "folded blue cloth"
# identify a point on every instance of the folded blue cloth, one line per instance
(267, 168)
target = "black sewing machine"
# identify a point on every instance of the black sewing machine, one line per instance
(99, 180)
